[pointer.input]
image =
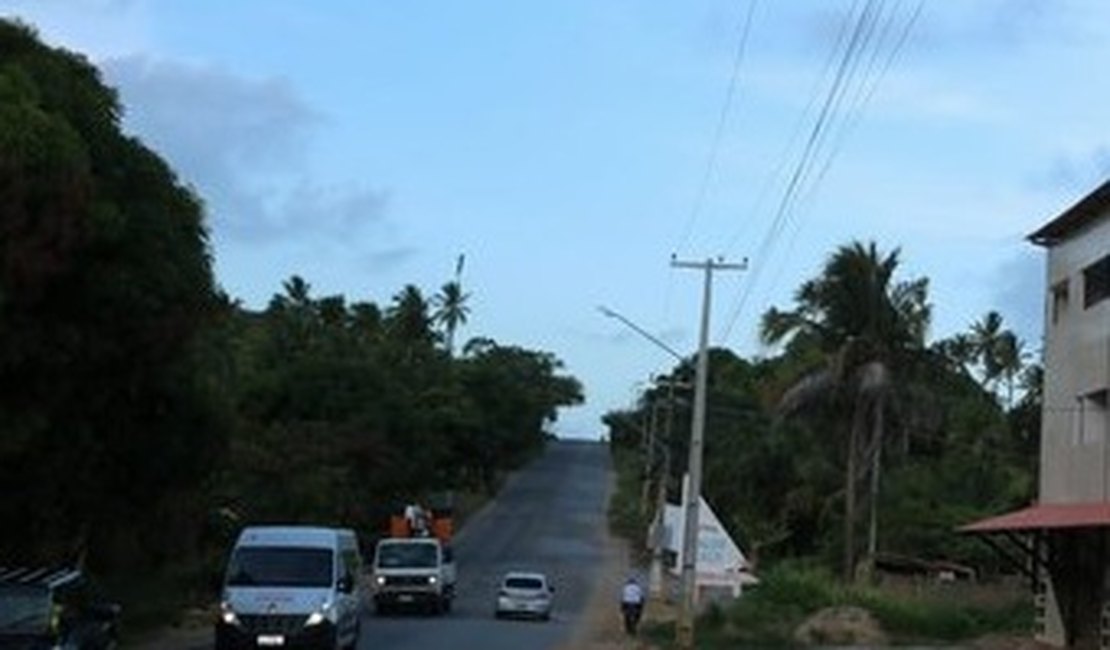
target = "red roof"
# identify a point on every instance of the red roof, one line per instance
(1046, 515)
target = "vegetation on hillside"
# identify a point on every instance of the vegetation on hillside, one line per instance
(147, 416)
(856, 435)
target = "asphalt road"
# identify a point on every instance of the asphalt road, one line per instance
(549, 517)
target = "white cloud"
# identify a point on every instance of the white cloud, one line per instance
(244, 145)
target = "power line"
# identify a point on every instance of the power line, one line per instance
(715, 142)
(805, 160)
(862, 41)
(865, 92)
(719, 131)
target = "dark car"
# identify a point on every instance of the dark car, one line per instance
(43, 608)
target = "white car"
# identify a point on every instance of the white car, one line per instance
(525, 594)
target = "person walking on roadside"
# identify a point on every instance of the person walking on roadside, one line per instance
(632, 604)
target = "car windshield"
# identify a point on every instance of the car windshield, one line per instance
(276, 566)
(23, 609)
(534, 584)
(395, 556)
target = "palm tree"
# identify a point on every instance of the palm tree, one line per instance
(866, 327)
(986, 335)
(1011, 356)
(1000, 353)
(408, 319)
(451, 310)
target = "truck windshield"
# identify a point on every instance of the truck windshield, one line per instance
(23, 609)
(395, 556)
(278, 566)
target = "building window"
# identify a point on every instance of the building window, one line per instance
(1096, 282)
(1059, 300)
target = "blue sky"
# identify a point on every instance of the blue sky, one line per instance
(563, 147)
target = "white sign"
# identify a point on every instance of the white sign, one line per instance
(719, 561)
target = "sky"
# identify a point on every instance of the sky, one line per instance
(569, 149)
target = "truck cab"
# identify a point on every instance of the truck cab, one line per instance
(415, 566)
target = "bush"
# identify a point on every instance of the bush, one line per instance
(768, 614)
(625, 518)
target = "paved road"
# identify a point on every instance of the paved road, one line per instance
(549, 517)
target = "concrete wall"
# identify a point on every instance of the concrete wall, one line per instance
(1075, 450)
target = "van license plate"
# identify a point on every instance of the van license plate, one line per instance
(404, 598)
(271, 640)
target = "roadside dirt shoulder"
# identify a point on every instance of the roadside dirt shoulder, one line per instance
(601, 627)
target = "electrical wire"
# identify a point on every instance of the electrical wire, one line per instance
(804, 162)
(865, 92)
(719, 130)
(869, 40)
(715, 142)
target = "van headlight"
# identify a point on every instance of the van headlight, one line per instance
(227, 615)
(319, 616)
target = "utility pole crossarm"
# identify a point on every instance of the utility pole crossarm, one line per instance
(710, 264)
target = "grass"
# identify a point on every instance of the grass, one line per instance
(767, 615)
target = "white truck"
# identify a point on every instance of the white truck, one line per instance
(415, 566)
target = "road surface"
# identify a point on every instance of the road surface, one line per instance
(550, 517)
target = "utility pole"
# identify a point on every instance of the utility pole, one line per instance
(684, 631)
(649, 458)
(655, 578)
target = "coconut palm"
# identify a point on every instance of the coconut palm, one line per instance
(407, 318)
(451, 310)
(866, 327)
(986, 336)
(1000, 353)
(1011, 359)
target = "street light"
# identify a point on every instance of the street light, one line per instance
(656, 572)
(641, 331)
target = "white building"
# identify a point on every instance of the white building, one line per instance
(1066, 534)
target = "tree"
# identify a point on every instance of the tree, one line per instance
(408, 319)
(107, 290)
(451, 310)
(986, 339)
(866, 327)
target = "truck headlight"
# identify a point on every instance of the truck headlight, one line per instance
(319, 616)
(227, 615)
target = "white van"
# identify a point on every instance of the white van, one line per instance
(291, 586)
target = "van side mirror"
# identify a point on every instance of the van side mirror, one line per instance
(346, 584)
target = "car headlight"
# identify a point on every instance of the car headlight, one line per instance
(380, 580)
(319, 616)
(227, 615)
(432, 580)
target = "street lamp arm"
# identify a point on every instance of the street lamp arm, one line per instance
(641, 331)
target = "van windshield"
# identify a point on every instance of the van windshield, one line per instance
(396, 556)
(279, 566)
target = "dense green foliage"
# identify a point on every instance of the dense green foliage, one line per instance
(854, 378)
(105, 286)
(146, 416)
